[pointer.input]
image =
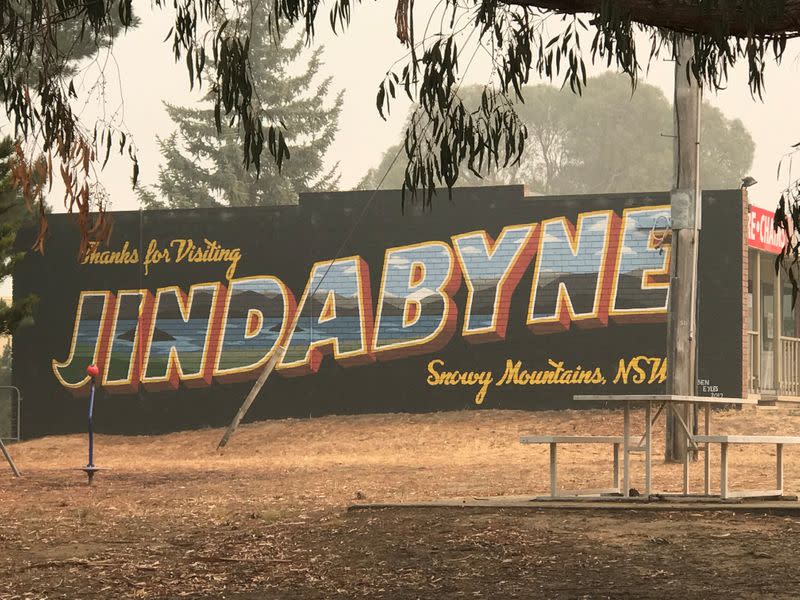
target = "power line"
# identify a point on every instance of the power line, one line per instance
(389, 168)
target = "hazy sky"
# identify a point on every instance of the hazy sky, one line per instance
(141, 71)
(357, 61)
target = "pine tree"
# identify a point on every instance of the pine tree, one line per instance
(13, 215)
(204, 169)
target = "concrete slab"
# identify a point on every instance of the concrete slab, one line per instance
(787, 505)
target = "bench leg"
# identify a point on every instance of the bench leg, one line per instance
(626, 454)
(723, 471)
(553, 470)
(616, 467)
(707, 463)
(686, 470)
(779, 468)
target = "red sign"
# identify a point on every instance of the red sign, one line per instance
(761, 234)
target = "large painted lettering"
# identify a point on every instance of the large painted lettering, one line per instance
(129, 328)
(570, 279)
(334, 316)
(89, 341)
(255, 319)
(416, 312)
(641, 286)
(492, 270)
(182, 338)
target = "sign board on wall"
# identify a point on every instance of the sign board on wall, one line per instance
(491, 300)
(760, 232)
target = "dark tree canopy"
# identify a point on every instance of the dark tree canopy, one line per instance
(524, 38)
(706, 17)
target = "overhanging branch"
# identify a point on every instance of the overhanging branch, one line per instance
(704, 17)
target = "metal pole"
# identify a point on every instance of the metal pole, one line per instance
(91, 429)
(3, 448)
(90, 469)
(690, 412)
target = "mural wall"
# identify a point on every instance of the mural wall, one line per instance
(492, 299)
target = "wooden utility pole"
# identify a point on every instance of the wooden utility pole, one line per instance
(685, 201)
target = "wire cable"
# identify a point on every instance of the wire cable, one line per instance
(367, 204)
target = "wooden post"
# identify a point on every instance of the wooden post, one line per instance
(707, 457)
(553, 470)
(685, 201)
(274, 360)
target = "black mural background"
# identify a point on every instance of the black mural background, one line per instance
(286, 241)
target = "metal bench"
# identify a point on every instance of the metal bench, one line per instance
(554, 440)
(724, 440)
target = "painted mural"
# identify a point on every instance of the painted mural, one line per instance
(194, 311)
(583, 273)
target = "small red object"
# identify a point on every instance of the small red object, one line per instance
(92, 371)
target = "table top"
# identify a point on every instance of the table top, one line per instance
(571, 439)
(662, 398)
(749, 439)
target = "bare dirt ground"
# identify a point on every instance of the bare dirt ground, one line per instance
(266, 519)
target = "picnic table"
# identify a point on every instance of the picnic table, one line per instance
(662, 402)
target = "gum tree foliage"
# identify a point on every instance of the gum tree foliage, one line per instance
(14, 210)
(522, 38)
(606, 141)
(787, 215)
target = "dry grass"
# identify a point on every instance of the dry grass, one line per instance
(171, 517)
(399, 457)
